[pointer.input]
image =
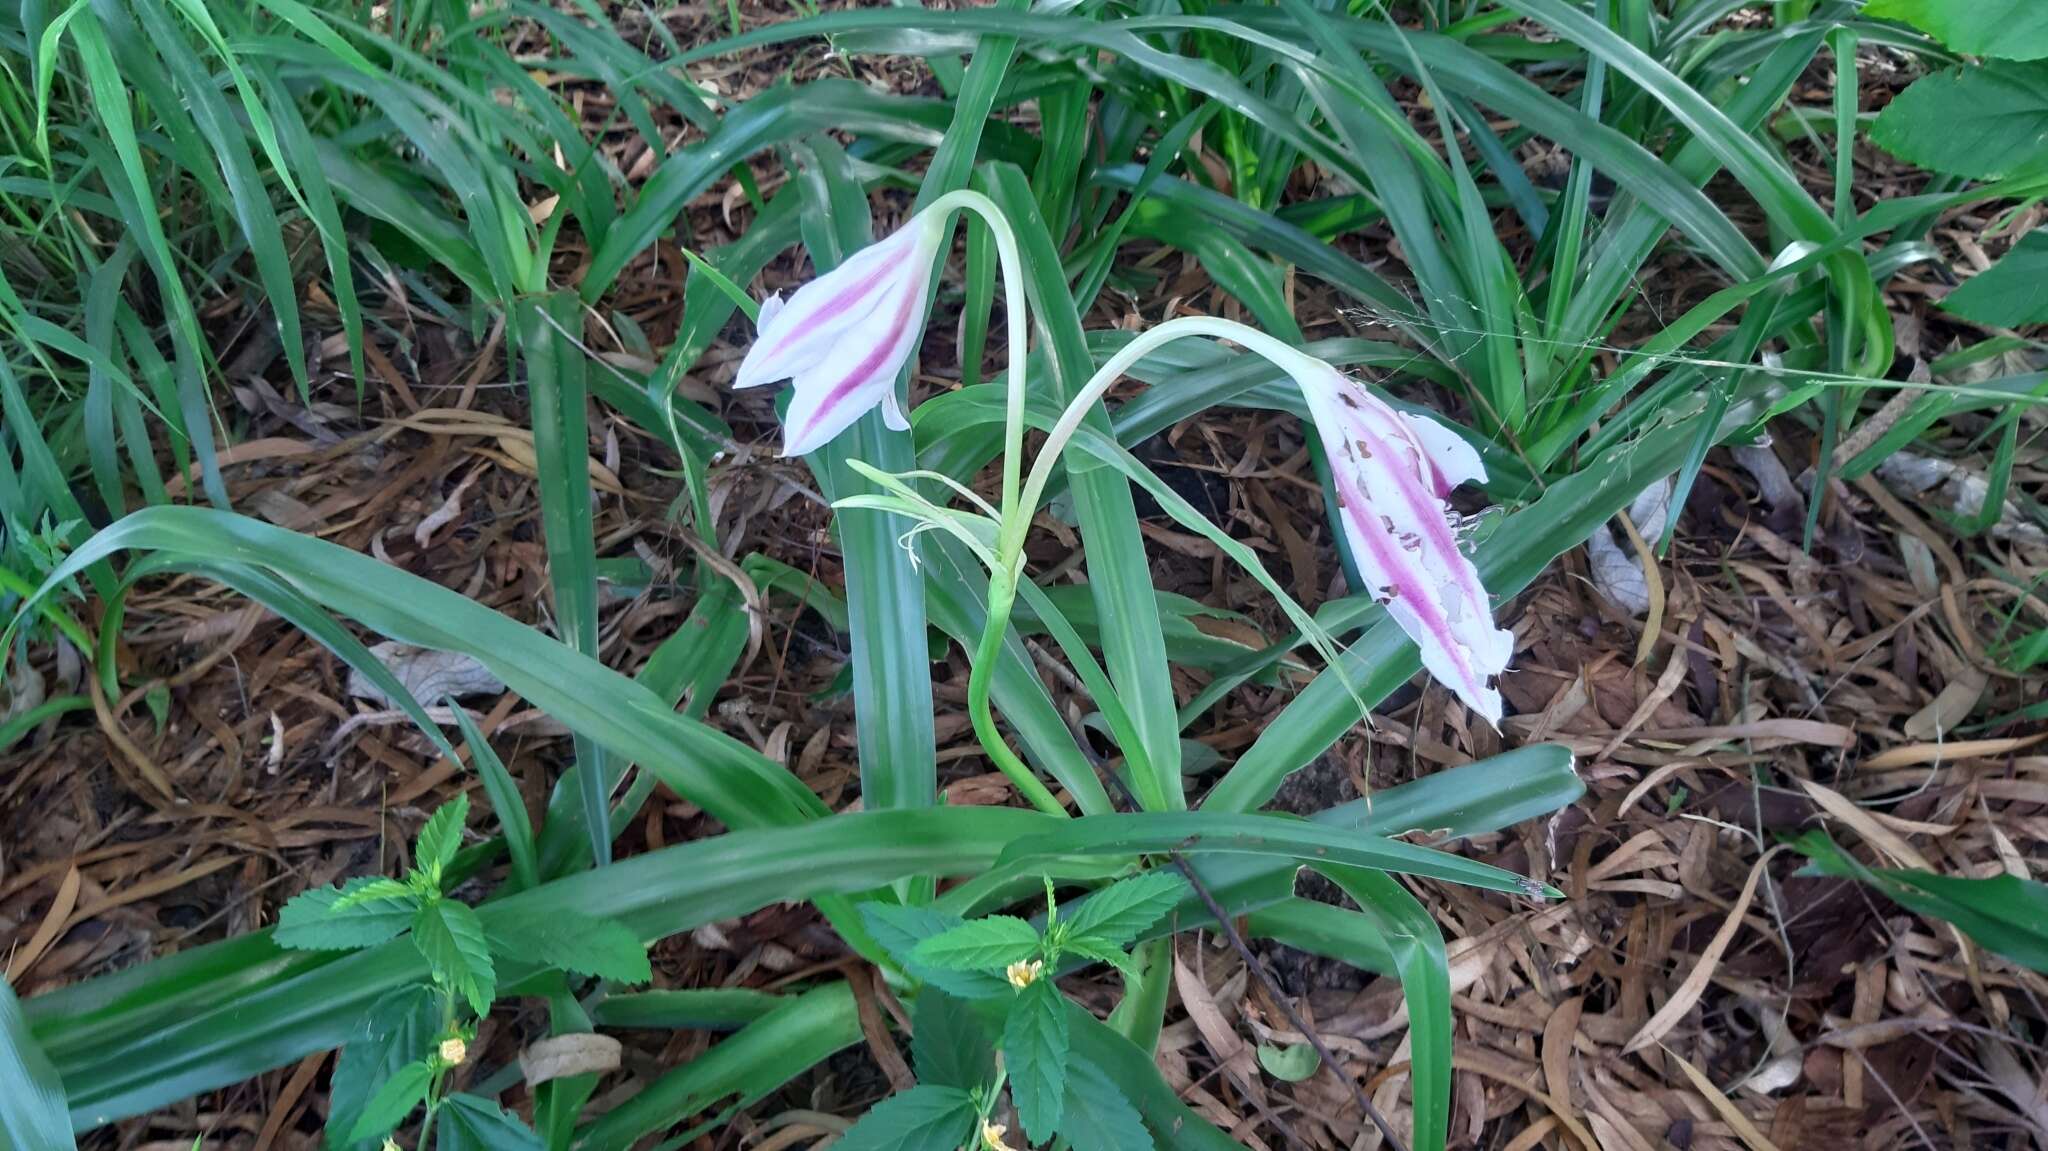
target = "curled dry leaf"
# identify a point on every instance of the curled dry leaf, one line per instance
(583, 1053)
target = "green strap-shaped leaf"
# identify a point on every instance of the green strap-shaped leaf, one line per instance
(33, 1113)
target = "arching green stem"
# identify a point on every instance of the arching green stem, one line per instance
(1018, 506)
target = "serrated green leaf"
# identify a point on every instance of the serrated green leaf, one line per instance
(405, 1090)
(1119, 912)
(981, 944)
(1983, 122)
(1098, 1117)
(947, 1044)
(1103, 951)
(1035, 1049)
(2010, 293)
(473, 1123)
(1293, 1063)
(924, 1118)
(370, 888)
(398, 1029)
(319, 920)
(441, 836)
(899, 929)
(601, 947)
(452, 939)
(2013, 29)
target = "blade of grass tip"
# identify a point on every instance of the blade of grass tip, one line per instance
(547, 329)
(513, 822)
(163, 387)
(253, 212)
(127, 177)
(890, 661)
(101, 304)
(1119, 573)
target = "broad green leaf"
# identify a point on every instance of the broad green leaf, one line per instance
(451, 938)
(33, 1113)
(394, 1101)
(1117, 913)
(900, 930)
(925, 1118)
(320, 920)
(2004, 913)
(1136, 1073)
(2013, 29)
(981, 944)
(573, 942)
(473, 1123)
(441, 836)
(1102, 951)
(1984, 122)
(1035, 1053)
(2011, 293)
(1293, 1063)
(947, 1043)
(1098, 1117)
(398, 1029)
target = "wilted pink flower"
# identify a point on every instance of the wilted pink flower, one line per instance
(844, 337)
(1392, 473)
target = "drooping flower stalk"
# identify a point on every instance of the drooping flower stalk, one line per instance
(1392, 471)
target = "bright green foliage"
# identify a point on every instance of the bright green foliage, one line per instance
(360, 913)
(406, 1089)
(924, 1118)
(440, 838)
(2004, 913)
(994, 942)
(1986, 122)
(2011, 293)
(2011, 29)
(452, 939)
(1035, 1049)
(1293, 1063)
(473, 1123)
(1096, 1115)
(571, 942)
(1118, 913)
(948, 1044)
(398, 1029)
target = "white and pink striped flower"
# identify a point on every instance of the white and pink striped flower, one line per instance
(1392, 473)
(844, 337)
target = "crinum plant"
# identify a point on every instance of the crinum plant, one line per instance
(844, 340)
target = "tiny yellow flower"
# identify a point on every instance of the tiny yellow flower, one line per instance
(391, 1144)
(992, 1133)
(454, 1050)
(1022, 974)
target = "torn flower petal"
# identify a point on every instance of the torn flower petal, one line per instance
(1392, 473)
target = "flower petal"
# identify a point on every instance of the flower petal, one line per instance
(832, 393)
(796, 335)
(1399, 528)
(1453, 460)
